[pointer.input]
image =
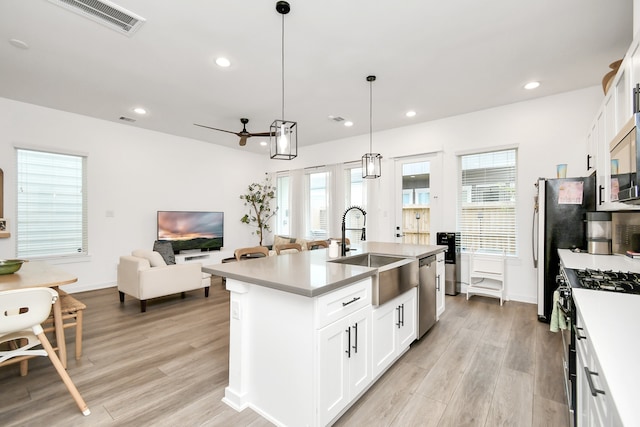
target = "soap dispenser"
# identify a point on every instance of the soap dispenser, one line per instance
(334, 249)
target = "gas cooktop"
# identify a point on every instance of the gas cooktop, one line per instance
(607, 280)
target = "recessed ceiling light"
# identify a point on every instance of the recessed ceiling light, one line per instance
(411, 113)
(18, 43)
(263, 143)
(223, 62)
(140, 110)
(531, 85)
(348, 123)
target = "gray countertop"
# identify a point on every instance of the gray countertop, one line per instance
(309, 273)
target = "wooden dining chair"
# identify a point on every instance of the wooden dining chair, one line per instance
(339, 239)
(288, 247)
(22, 312)
(254, 250)
(72, 315)
(317, 244)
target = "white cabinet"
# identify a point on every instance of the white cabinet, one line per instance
(440, 284)
(394, 326)
(204, 258)
(614, 112)
(344, 363)
(594, 404)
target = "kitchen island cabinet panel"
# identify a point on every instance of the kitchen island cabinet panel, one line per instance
(344, 363)
(394, 329)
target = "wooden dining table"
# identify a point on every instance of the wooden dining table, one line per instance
(39, 274)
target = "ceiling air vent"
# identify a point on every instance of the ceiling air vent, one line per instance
(105, 13)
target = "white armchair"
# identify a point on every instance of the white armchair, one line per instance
(144, 275)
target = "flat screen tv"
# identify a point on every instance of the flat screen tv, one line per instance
(191, 231)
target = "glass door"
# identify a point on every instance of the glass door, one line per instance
(416, 199)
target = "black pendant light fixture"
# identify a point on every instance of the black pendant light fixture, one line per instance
(284, 133)
(371, 161)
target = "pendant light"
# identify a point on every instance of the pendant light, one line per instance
(284, 133)
(371, 160)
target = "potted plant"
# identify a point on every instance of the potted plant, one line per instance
(258, 198)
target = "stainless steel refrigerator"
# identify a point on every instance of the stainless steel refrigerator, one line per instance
(560, 206)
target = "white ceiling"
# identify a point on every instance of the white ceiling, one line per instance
(439, 58)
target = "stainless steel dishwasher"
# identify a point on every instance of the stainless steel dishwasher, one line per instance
(426, 294)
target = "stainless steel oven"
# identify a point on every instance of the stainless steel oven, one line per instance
(566, 309)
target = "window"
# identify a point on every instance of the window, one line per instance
(487, 201)
(354, 195)
(317, 226)
(283, 220)
(52, 204)
(353, 187)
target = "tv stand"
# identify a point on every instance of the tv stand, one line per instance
(206, 258)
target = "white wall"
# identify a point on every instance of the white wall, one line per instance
(547, 131)
(133, 173)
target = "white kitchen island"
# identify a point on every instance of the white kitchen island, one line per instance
(305, 340)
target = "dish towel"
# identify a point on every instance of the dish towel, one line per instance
(558, 320)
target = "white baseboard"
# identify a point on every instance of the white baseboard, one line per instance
(74, 287)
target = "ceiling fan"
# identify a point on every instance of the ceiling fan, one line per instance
(243, 134)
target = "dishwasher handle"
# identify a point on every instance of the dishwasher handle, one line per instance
(426, 261)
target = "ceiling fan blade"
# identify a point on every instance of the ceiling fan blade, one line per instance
(262, 134)
(221, 130)
(243, 140)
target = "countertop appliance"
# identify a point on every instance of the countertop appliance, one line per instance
(451, 261)
(599, 233)
(426, 294)
(560, 208)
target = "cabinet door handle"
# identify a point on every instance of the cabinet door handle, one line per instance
(402, 318)
(348, 350)
(589, 161)
(350, 302)
(594, 390)
(355, 333)
(438, 282)
(578, 336)
(398, 324)
(600, 189)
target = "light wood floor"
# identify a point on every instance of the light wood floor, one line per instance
(481, 365)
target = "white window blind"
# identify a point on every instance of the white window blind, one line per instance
(354, 192)
(318, 202)
(283, 220)
(487, 201)
(52, 204)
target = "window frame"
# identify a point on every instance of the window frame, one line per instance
(502, 208)
(308, 230)
(59, 251)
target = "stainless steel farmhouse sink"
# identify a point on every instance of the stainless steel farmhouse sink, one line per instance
(396, 275)
(369, 260)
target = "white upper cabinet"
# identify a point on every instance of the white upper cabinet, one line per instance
(613, 116)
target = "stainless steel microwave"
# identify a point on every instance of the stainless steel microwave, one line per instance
(625, 158)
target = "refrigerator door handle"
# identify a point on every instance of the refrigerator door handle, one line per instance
(600, 190)
(534, 234)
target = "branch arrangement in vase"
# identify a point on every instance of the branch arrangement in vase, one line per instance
(258, 198)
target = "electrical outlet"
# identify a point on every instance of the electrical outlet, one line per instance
(235, 310)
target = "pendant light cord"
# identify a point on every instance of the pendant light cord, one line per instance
(371, 116)
(283, 67)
